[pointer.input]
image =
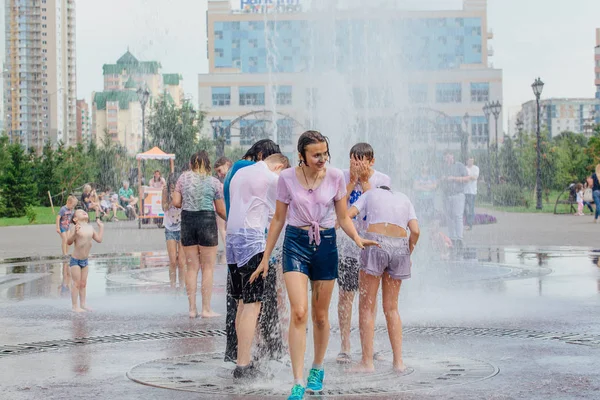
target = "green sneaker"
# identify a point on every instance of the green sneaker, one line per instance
(314, 382)
(297, 393)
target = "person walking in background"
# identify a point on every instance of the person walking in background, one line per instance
(199, 195)
(471, 191)
(588, 194)
(596, 192)
(579, 198)
(221, 167)
(453, 185)
(309, 198)
(425, 186)
(172, 224)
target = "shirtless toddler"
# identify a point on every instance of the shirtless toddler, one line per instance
(81, 235)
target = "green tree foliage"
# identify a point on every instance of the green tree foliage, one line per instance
(175, 130)
(17, 185)
(113, 164)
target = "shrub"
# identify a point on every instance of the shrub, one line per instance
(31, 214)
(508, 195)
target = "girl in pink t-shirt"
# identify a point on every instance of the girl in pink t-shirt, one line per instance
(309, 197)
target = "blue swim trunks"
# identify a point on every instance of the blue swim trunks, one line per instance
(80, 263)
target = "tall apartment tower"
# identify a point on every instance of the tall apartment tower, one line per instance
(597, 63)
(40, 72)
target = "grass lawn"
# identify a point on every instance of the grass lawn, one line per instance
(44, 217)
(547, 207)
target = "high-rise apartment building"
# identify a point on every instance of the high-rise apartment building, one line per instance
(83, 122)
(354, 67)
(560, 115)
(40, 75)
(117, 111)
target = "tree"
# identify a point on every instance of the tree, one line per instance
(112, 163)
(175, 130)
(509, 163)
(17, 184)
(46, 172)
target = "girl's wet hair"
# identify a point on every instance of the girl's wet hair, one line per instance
(261, 150)
(200, 162)
(308, 138)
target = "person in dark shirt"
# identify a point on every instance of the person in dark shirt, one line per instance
(596, 192)
(454, 178)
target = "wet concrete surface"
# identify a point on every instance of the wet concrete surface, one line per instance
(533, 314)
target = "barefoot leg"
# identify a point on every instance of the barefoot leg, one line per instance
(180, 266)
(172, 252)
(390, 291)
(368, 287)
(345, 301)
(83, 287)
(192, 257)
(208, 259)
(64, 246)
(75, 280)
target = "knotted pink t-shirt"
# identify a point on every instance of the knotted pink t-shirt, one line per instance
(314, 208)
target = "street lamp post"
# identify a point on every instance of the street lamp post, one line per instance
(217, 125)
(537, 87)
(464, 145)
(487, 112)
(143, 95)
(495, 108)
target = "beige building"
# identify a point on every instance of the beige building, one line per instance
(117, 110)
(40, 76)
(277, 68)
(84, 122)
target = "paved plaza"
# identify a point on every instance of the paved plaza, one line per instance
(517, 317)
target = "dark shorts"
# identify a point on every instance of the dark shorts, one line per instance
(348, 271)
(81, 263)
(199, 228)
(392, 257)
(319, 263)
(240, 287)
(172, 235)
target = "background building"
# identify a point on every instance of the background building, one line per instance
(117, 110)
(560, 115)
(287, 63)
(40, 77)
(83, 122)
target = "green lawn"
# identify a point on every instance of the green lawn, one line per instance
(547, 207)
(44, 217)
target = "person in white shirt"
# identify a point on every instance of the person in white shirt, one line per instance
(471, 191)
(252, 204)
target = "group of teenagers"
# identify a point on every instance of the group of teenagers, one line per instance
(261, 196)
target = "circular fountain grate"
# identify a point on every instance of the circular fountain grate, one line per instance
(567, 338)
(207, 374)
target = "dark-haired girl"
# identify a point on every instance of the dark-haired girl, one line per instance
(199, 194)
(389, 216)
(314, 195)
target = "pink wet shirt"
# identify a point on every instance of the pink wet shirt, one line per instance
(315, 209)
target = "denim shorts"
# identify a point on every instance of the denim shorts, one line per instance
(172, 235)
(81, 263)
(319, 263)
(63, 230)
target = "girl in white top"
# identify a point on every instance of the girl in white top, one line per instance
(172, 223)
(389, 215)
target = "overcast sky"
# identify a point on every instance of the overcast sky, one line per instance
(550, 38)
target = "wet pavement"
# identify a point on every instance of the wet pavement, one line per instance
(502, 323)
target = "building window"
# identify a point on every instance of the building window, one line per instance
(417, 93)
(284, 95)
(285, 131)
(235, 43)
(448, 93)
(218, 35)
(252, 95)
(480, 92)
(479, 129)
(253, 43)
(252, 130)
(219, 53)
(221, 96)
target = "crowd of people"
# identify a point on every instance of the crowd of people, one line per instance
(249, 204)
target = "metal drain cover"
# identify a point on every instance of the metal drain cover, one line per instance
(207, 373)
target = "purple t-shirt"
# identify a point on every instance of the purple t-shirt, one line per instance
(384, 206)
(316, 209)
